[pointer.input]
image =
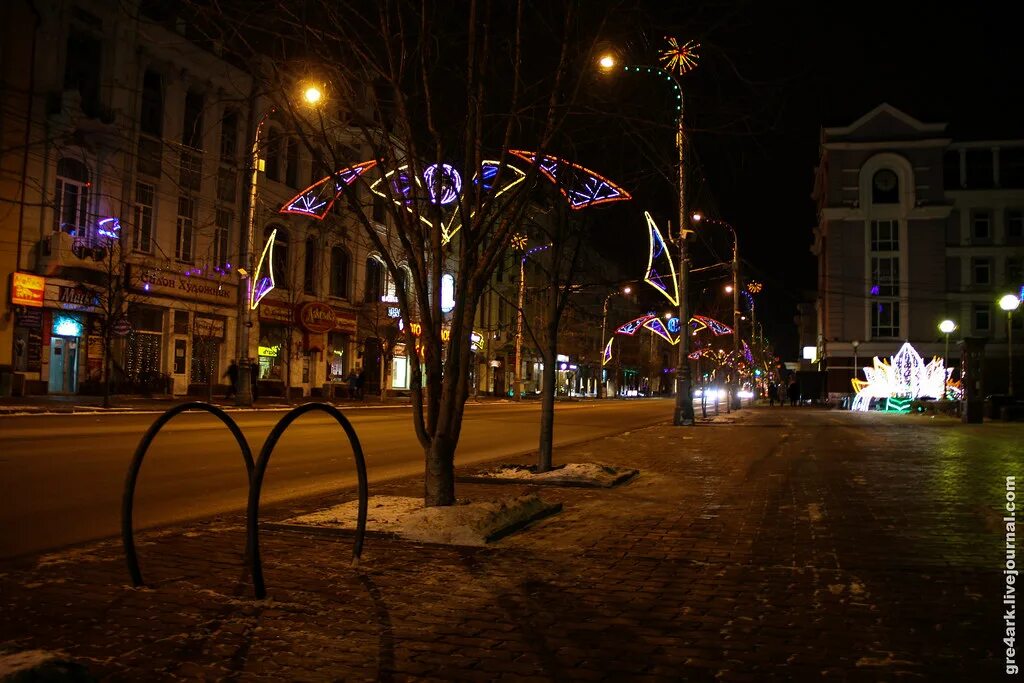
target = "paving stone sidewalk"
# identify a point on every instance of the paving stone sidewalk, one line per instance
(774, 544)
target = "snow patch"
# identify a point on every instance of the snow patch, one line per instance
(465, 523)
(589, 473)
(41, 665)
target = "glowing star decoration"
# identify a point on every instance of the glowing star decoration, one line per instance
(262, 284)
(518, 241)
(317, 199)
(903, 376)
(607, 355)
(632, 326)
(443, 183)
(717, 328)
(109, 228)
(754, 287)
(680, 58)
(580, 186)
(657, 327)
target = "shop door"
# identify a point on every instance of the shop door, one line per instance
(63, 365)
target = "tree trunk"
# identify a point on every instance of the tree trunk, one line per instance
(439, 479)
(547, 410)
(106, 370)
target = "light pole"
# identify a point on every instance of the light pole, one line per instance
(312, 96)
(855, 344)
(682, 58)
(946, 327)
(1009, 303)
(519, 318)
(602, 389)
(734, 289)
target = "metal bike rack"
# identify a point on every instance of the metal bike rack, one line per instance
(256, 484)
(128, 499)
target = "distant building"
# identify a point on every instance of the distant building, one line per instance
(914, 227)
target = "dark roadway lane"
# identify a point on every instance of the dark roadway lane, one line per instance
(62, 475)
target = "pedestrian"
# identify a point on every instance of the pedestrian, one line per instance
(232, 375)
(254, 380)
(353, 383)
(360, 381)
(773, 393)
(794, 392)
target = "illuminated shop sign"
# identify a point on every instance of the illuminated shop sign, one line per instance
(27, 290)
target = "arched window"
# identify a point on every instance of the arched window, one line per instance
(374, 279)
(404, 281)
(282, 277)
(339, 272)
(151, 112)
(71, 199)
(885, 187)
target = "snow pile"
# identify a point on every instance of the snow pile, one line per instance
(583, 473)
(41, 665)
(464, 523)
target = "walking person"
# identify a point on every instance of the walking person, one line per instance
(232, 375)
(254, 380)
(353, 384)
(773, 393)
(360, 381)
(794, 392)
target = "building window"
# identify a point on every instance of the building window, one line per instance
(291, 172)
(190, 174)
(1014, 225)
(192, 128)
(309, 267)
(374, 280)
(71, 200)
(982, 317)
(885, 319)
(183, 241)
(981, 226)
(227, 182)
(885, 276)
(229, 136)
(885, 236)
(339, 272)
(82, 69)
(981, 271)
(1014, 272)
(379, 209)
(142, 223)
(221, 237)
(885, 187)
(282, 276)
(151, 114)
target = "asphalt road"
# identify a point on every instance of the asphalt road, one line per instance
(61, 476)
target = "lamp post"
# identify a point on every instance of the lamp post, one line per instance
(312, 96)
(734, 289)
(1009, 303)
(946, 327)
(519, 318)
(602, 389)
(682, 58)
(855, 344)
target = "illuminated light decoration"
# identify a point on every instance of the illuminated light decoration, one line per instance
(110, 228)
(874, 290)
(717, 328)
(673, 325)
(747, 354)
(447, 293)
(607, 355)
(534, 250)
(443, 183)
(656, 326)
(903, 376)
(632, 326)
(579, 185)
(260, 285)
(754, 287)
(695, 355)
(317, 199)
(661, 272)
(895, 404)
(696, 326)
(65, 326)
(518, 241)
(681, 58)
(749, 299)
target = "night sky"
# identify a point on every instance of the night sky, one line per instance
(770, 76)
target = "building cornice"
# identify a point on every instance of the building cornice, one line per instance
(889, 144)
(920, 213)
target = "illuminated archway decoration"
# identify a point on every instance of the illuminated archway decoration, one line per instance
(717, 328)
(900, 379)
(656, 326)
(260, 284)
(579, 185)
(661, 272)
(632, 326)
(607, 355)
(317, 199)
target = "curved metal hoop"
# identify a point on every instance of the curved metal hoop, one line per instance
(256, 484)
(128, 499)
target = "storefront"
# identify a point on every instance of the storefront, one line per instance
(274, 342)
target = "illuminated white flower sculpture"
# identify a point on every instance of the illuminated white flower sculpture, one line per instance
(904, 376)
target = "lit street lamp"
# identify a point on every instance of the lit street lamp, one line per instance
(1009, 303)
(312, 96)
(680, 58)
(602, 390)
(946, 327)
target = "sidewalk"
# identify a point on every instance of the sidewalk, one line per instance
(770, 544)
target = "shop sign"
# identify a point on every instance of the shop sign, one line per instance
(209, 328)
(268, 351)
(27, 290)
(77, 298)
(317, 317)
(180, 286)
(121, 327)
(394, 312)
(32, 318)
(276, 313)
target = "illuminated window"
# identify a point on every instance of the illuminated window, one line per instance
(374, 279)
(71, 199)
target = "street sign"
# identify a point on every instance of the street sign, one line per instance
(121, 327)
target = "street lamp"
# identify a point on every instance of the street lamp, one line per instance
(521, 299)
(1009, 303)
(946, 327)
(681, 58)
(734, 289)
(312, 96)
(602, 390)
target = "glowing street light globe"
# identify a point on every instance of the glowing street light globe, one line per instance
(947, 326)
(312, 95)
(627, 290)
(606, 61)
(1009, 303)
